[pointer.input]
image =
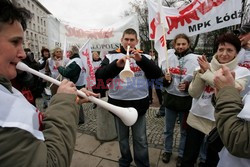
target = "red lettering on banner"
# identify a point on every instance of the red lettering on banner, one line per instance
(153, 28)
(153, 25)
(206, 7)
(187, 14)
(189, 7)
(93, 34)
(174, 21)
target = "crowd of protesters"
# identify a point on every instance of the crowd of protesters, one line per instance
(209, 99)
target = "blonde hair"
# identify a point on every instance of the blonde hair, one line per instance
(55, 50)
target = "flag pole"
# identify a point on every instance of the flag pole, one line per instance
(164, 36)
(65, 48)
(85, 44)
(165, 43)
(151, 45)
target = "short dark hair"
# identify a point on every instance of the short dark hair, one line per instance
(44, 50)
(228, 37)
(129, 31)
(10, 13)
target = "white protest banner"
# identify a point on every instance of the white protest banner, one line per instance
(86, 57)
(107, 38)
(198, 17)
(54, 32)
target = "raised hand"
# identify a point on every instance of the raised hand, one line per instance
(204, 65)
(121, 62)
(135, 55)
(224, 77)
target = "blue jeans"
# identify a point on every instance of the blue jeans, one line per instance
(170, 120)
(140, 145)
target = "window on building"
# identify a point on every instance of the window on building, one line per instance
(32, 6)
(28, 3)
(34, 27)
(29, 24)
(44, 23)
(27, 35)
(38, 29)
(33, 17)
(37, 19)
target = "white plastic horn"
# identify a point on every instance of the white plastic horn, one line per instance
(126, 72)
(127, 115)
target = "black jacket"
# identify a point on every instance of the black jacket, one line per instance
(109, 70)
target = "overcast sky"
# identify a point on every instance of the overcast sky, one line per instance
(87, 13)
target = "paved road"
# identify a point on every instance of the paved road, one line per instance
(89, 151)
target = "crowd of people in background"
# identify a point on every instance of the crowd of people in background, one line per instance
(205, 97)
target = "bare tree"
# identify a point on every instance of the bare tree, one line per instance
(139, 7)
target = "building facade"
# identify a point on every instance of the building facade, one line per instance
(36, 34)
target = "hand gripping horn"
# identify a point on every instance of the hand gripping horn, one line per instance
(127, 115)
(126, 72)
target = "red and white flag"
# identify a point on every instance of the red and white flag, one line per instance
(86, 57)
(159, 37)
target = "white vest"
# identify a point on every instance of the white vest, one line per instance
(17, 112)
(41, 61)
(244, 61)
(135, 88)
(202, 106)
(52, 67)
(228, 160)
(96, 64)
(182, 70)
(245, 112)
(82, 77)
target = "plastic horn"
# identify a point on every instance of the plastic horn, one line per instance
(126, 72)
(127, 115)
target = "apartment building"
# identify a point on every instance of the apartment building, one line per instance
(36, 35)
